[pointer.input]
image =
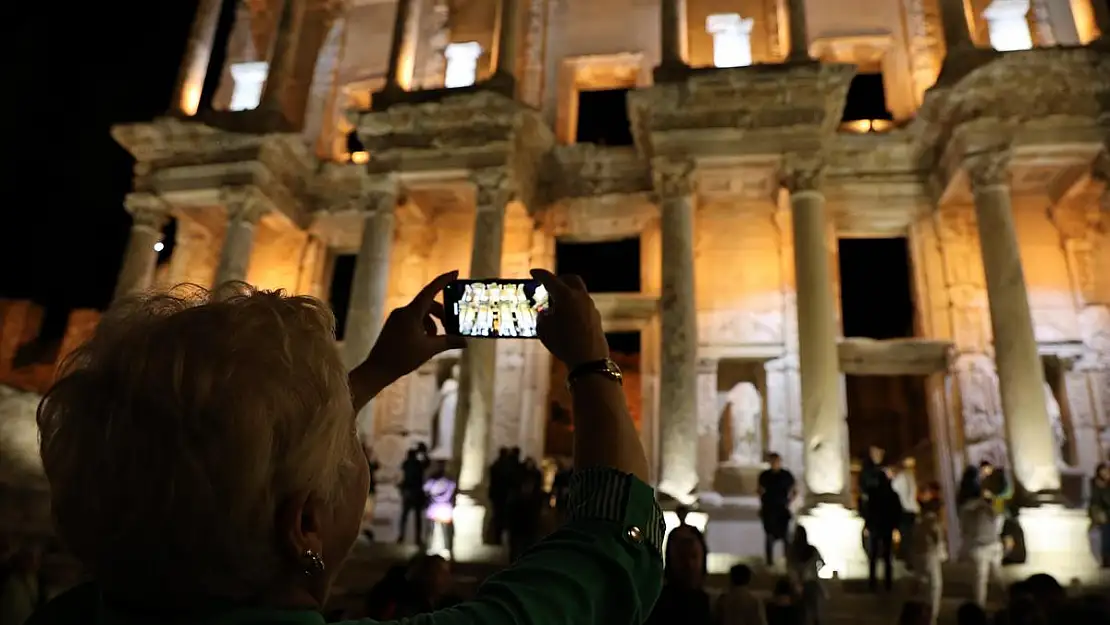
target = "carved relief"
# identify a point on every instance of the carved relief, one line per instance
(740, 326)
(981, 408)
(922, 24)
(707, 398)
(784, 410)
(531, 83)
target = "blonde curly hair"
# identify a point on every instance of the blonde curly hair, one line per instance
(173, 435)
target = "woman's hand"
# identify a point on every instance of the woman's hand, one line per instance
(570, 328)
(408, 339)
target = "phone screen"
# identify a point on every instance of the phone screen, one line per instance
(494, 308)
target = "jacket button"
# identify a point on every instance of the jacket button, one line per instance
(635, 535)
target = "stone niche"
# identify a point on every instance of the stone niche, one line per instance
(739, 448)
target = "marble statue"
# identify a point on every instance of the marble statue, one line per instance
(745, 408)
(445, 418)
(1056, 418)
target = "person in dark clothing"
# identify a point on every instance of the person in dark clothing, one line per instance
(971, 613)
(502, 476)
(776, 490)
(428, 587)
(382, 600)
(412, 492)
(1099, 509)
(525, 510)
(969, 489)
(881, 510)
(783, 608)
(683, 599)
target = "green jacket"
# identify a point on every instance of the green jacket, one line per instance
(602, 568)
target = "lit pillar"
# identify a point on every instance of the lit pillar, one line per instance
(678, 385)
(953, 18)
(397, 45)
(366, 310)
(244, 208)
(822, 422)
(148, 217)
(1020, 372)
(194, 63)
(507, 39)
(480, 358)
(799, 34)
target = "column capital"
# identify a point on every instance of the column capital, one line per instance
(245, 204)
(708, 365)
(147, 211)
(987, 168)
(379, 195)
(802, 172)
(493, 188)
(672, 178)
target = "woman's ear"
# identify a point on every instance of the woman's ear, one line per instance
(299, 522)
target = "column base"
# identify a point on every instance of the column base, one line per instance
(1057, 542)
(470, 520)
(670, 71)
(836, 532)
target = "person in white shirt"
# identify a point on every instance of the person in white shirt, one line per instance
(904, 484)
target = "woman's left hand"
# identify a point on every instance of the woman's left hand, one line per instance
(408, 339)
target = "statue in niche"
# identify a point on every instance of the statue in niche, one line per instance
(745, 420)
(1056, 419)
(445, 416)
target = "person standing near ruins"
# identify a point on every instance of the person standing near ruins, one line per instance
(413, 499)
(904, 484)
(1099, 509)
(777, 489)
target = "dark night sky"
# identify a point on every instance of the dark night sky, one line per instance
(64, 227)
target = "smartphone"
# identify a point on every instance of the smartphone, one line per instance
(496, 308)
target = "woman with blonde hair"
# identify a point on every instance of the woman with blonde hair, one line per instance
(205, 466)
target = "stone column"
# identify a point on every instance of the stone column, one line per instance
(479, 362)
(1102, 19)
(397, 45)
(1020, 372)
(799, 31)
(953, 18)
(281, 72)
(148, 216)
(507, 39)
(822, 420)
(672, 27)
(678, 394)
(366, 310)
(245, 206)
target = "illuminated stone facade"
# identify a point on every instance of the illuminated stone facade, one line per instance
(739, 184)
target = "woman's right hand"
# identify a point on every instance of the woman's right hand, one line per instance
(570, 328)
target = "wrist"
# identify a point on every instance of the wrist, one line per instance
(366, 381)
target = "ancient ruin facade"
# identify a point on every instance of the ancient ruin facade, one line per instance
(741, 179)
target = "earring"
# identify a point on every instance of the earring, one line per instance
(314, 565)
